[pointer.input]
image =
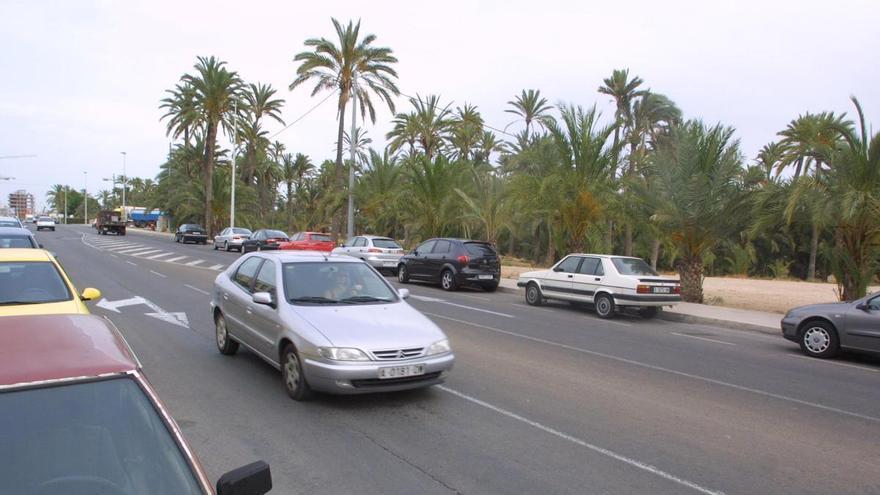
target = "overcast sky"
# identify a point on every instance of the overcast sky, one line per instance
(81, 80)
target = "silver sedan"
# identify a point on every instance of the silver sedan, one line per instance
(329, 323)
(231, 238)
(382, 253)
(824, 329)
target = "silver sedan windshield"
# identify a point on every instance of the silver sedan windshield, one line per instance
(334, 283)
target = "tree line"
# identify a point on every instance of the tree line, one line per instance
(646, 181)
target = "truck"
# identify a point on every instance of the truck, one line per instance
(143, 218)
(110, 221)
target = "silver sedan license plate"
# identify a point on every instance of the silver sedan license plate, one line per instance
(401, 371)
(662, 290)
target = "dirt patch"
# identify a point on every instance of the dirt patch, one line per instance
(774, 296)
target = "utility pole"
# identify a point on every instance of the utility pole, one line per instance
(352, 142)
(232, 178)
(66, 188)
(124, 214)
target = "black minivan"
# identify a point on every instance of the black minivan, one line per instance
(452, 263)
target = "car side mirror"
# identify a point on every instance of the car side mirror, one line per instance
(90, 294)
(41, 246)
(343, 245)
(253, 479)
(263, 298)
(403, 293)
(415, 252)
(862, 306)
(557, 268)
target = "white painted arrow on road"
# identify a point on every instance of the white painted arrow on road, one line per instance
(175, 318)
(113, 305)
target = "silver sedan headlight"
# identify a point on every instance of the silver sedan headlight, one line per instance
(438, 348)
(342, 354)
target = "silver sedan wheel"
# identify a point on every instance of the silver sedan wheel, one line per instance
(222, 335)
(817, 340)
(291, 376)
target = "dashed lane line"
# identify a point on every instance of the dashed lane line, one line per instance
(131, 263)
(197, 289)
(702, 338)
(664, 370)
(583, 443)
(158, 274)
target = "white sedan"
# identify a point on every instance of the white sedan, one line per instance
(610, 283)
(46, 223)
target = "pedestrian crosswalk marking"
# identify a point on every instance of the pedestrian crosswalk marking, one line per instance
(160, 255)
(194, 263)
(215, 267)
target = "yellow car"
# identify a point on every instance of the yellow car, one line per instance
(32, 282)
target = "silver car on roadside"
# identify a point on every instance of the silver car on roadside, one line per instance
(330, 323)
(231, 238)
(382, 253)
(822, 330)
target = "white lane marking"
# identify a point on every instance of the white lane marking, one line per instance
(595, 448)
(159, 274)
(534, 308)
(160, 255)
(825, 361)
(172, 260)
(133, 247)
(129, 251)
(175, 318)
(144, 253)
(197, 289)
(194, 263)
(443, 301)
(131, 263)
(113, 255)
(478, 298)
(701, 338)
(215, 267)
(665, 370)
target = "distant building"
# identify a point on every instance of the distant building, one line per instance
(22, 203)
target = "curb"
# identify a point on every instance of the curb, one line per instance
(509, 290)
(704, 320)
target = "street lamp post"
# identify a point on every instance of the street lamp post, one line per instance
(232, 177)
(352, 142)
(66, 188)
(86, 197)
(124, 212)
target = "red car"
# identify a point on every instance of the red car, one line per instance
(309, 241)
(79, 416)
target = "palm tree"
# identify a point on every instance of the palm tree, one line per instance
(429, 123)
(258, 102)
(213, 91)
(854, 190)
(352, 66)
(810, 139)
(466, 132)
(623, 91)
(379, 193)
(530, 106)
(55, 196)
(694, 189)
(487, 205)
(362, 143)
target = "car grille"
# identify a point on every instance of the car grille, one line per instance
(395, 354)
(377, 382)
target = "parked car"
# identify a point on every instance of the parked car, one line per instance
(452, 263)
(610, 283)
(231, 238)
(44, 222)
(823, 330)
(263, 240)
(10, 222)
(309, 241)
(191, 232)
(80, 417)
(382, 253)
(33, 282)
(17, 237)
(329, 323)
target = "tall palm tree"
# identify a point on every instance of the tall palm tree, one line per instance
(258, 102)
(213, 90)
(854, 189)
(487, 205)
(55, 196)
(623, 91)
(430, 124)
(810, 139)
(181, 111)
(530, 106)
(466, 132)
(693, 191)
(352, 65)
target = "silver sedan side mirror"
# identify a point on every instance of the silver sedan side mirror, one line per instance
(403, 293)
(263, 298)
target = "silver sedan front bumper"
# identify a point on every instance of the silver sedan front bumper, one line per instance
(337, 378)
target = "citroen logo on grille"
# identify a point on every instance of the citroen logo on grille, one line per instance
(400, 355)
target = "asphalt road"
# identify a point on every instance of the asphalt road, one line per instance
(542, 400)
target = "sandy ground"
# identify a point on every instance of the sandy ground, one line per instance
(775, 296)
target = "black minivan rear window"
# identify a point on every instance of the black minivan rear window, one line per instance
(480, 249)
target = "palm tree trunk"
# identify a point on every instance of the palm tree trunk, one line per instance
(814, 248)
(209, 178)
(336, 222)
(655, 252)
(609, 236)
(628, 245)
(691, 273)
